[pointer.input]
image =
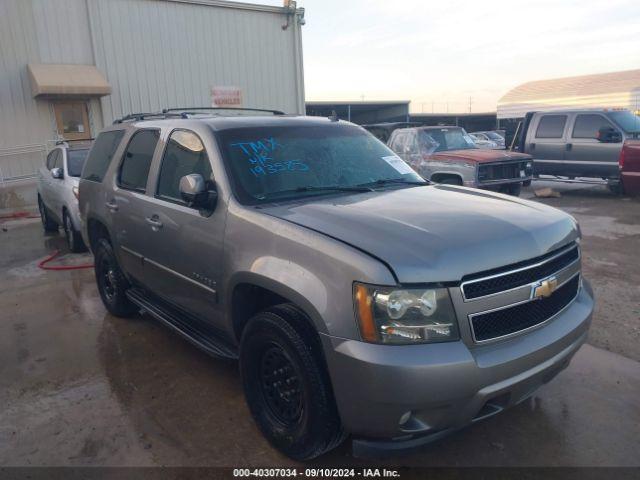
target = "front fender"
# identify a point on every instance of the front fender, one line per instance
(279, 276)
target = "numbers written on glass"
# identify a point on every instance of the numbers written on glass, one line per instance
(260, 155)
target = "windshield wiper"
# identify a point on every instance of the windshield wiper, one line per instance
(326, 188)
(401, 181)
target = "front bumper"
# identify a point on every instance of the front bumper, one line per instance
(396, 397)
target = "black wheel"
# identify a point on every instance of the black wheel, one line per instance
(514, 189)
(74, 239)
(48, 223)
(112, 283)
(526, 183)
(286, 384)
(451, 181)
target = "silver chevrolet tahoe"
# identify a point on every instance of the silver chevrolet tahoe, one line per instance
(359, 298)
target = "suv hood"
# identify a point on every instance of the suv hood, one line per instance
(480, 155)
(436, 233)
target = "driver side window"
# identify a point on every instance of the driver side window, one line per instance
(185, 154)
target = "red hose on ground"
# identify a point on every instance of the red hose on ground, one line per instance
(43, 264)
(16, 215)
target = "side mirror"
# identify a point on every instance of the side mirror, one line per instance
(193, 190)
(57, 173)
(609, 135)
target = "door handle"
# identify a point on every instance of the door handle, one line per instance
(113, 206)
(154, 222)
(569, 146)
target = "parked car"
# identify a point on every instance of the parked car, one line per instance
(580, 143)
(449, 155)
(359, 298)
(58, 180)
(630, 167)
(482, 141)
(491, 136)
(382, 131)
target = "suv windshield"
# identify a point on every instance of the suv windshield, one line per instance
(444, 139)
(277, 163)
(76, 160)
(626, 120)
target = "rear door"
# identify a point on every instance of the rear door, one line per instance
(587, 156)
(546, 143)
(183, 261)
(129, 203)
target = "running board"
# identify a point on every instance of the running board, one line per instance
(202, 340)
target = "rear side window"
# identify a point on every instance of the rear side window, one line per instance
(136, 160)
(184, 155)
(397, 145)
(101, 154)
(551, 126)
(587, 126)
(58, 160)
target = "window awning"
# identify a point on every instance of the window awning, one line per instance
(67, 80)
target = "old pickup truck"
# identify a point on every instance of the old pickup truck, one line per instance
(449, 155)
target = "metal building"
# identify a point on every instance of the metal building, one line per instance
(603, 90)
(69, 67)
(362, 112)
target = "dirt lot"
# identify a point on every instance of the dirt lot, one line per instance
(79, 387)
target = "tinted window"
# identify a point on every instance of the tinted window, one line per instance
(101, 154)
(551, 126)
(276, 163)
(587, 126)
(51, 159)
(184, 155)
(75, 161)
(136, 160)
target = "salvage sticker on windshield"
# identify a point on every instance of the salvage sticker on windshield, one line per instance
(399, 164)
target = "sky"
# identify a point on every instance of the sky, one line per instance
(459, 55)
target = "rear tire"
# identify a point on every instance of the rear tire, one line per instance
(48, 224)
(286, 384)
(526, 183)
(112, 284)
(74, 239)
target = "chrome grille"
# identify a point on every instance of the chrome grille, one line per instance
(513, 319)
(512, 277)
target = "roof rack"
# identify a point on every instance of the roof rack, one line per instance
(62, 142)
(197, 109)
(146, 116)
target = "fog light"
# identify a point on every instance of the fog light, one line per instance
(405, 417)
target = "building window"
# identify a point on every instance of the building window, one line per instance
(72, 120)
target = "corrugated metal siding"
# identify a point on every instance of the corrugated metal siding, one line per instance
(607, 90)
(159, 54)
(35, 31)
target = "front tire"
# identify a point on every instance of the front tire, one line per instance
(112, 284)
(74, 239)
(287, 385)
(48, 224)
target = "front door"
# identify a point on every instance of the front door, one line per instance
(72, 120)
(184, 254)
(585, 154)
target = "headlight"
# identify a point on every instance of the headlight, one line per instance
(404, 315)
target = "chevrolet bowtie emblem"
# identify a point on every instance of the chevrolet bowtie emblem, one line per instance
(545, 288)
